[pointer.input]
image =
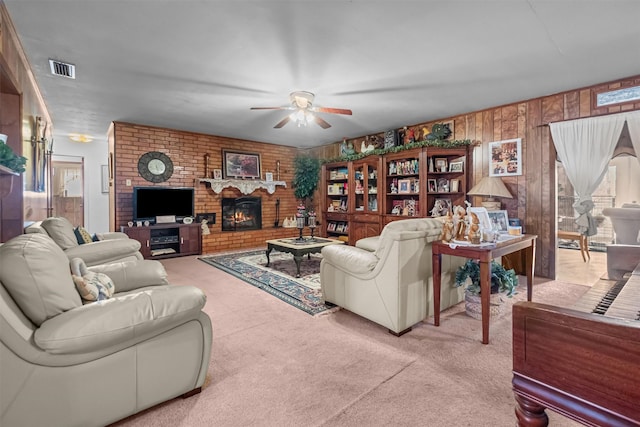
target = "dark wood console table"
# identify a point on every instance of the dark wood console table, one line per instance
(484, 254)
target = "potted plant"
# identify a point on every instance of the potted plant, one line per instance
(503, 281)
(305, 179)
(11, 164)
(10, 160)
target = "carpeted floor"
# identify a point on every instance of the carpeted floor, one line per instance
(279, 278)
(274, 365)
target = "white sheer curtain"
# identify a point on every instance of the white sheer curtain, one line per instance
(633, 124)
(585, 147)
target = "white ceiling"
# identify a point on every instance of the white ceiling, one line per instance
(200, 65)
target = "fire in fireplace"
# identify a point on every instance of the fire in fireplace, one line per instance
(241, 214)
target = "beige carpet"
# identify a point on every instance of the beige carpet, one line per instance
(274, 365)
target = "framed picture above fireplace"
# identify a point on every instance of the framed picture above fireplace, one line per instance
(239, 164)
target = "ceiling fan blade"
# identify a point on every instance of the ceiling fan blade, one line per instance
(321, 122)
(282, 122)
(270, 108)
(333, 110)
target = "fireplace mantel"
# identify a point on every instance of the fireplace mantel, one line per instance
(246, 186)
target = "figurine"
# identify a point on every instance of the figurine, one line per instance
(364, 148)
(409, 136)
(460, 225)
(474, 229)
(205, 227)
(447, 229)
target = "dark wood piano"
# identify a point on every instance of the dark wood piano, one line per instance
(582, 362)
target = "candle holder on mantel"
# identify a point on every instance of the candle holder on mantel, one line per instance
(300, 222)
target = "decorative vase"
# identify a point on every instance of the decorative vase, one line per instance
(473, 306)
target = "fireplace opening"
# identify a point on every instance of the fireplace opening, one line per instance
(241, 214)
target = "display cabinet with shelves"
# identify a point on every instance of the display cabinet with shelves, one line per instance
(446, 179)
(336, 202)
(367, 179)
(403, 184)
(359, 197)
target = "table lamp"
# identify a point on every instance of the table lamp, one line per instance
(491, 186)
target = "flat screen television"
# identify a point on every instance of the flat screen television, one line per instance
(150, 202)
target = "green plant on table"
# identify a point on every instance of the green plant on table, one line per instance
(502, 280)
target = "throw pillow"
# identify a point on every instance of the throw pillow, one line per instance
(94, 286)
(82, 235)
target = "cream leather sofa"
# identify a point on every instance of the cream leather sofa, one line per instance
(63, 363)
(624, 255)
(112, 246)
(388, 279)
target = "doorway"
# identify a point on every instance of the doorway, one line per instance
(68, 188)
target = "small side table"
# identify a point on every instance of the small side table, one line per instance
(484, 254)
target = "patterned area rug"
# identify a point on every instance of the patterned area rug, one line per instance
(279, 278)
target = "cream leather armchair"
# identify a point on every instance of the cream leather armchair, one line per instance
(63, 363)
(624, 255)
(393, 284)
(112, 246)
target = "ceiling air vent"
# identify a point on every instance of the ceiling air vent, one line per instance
(62, 69)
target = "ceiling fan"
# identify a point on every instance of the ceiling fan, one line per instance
(303, 110)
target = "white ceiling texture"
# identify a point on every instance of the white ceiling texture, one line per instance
(200, 65)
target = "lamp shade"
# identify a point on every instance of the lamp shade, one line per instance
(491, 186)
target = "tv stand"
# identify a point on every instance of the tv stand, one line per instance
(167, 240)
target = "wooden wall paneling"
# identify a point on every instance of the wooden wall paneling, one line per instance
(572, 105)
(552, 111)
(533, 217)
(509, 121)
(585, 103)
(520, 196)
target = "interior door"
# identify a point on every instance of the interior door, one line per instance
(68, 188)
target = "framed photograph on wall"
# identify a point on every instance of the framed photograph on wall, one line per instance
(239, 164)
(499, 221)
(506, 157)
(105, 178)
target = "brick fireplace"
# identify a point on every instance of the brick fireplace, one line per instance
(241, 213)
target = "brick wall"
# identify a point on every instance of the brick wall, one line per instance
(187, 152)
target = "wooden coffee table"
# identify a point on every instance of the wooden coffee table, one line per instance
(299, 248)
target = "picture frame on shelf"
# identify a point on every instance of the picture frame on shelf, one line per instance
(217, 174)
(404, 186)
(268, 176)
(506, 157)
(441, 207)
(499, 221)
(432, 186)
(443, 185)
(240, 164)
(441, 164)
(454, 185)
(483, 216)
(456, 167)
